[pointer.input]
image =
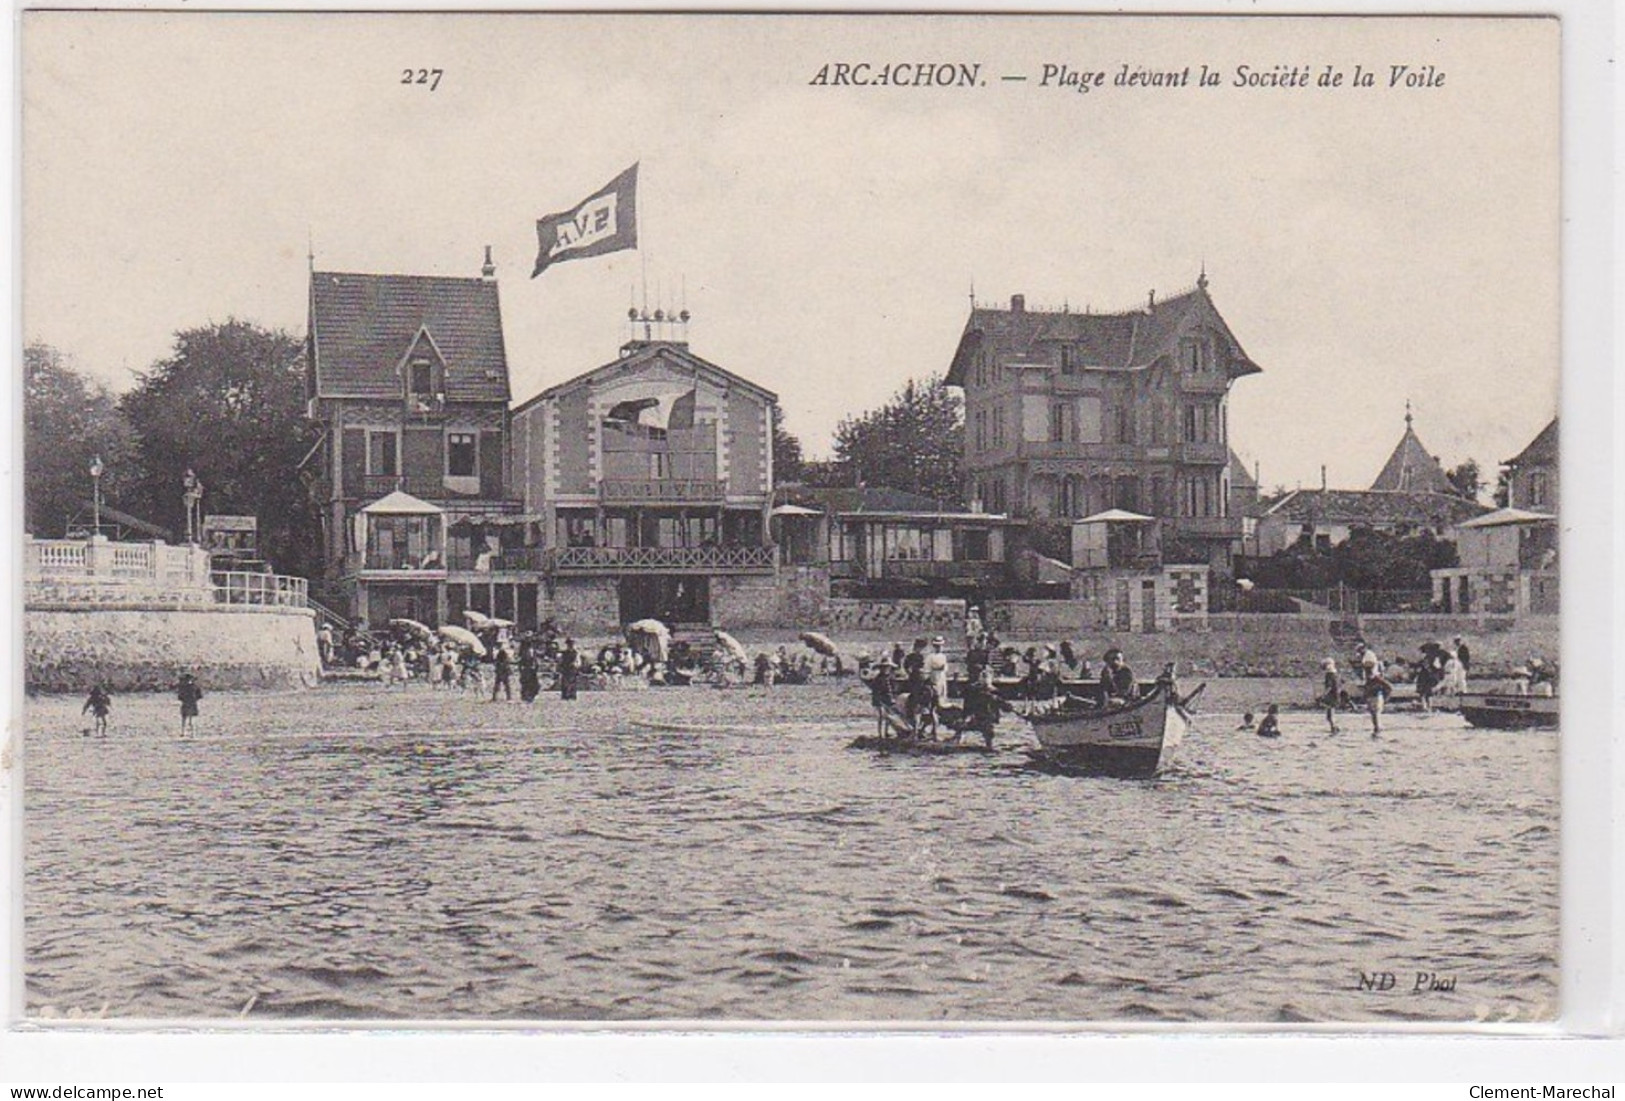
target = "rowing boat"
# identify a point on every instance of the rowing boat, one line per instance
(1131, 740)
(1505, 711)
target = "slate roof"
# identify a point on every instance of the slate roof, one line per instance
(1370, 506)
(362, 325)
(1542, 450)
(1127, 341)
(639, 353)
(1410, 467)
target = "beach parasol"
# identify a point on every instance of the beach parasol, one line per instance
(497, 624)
(731, 644)
(652, 629)
(477, 620)
(413, 627)
(463, 637)
(819, 643)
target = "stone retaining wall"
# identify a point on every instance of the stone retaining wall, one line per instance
(139, 648)
(897, 618)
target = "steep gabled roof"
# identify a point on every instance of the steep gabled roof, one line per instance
(641, 354)
(1411, 468)
(1240, 476)
(362, 326)
(1370, 506)
(1542, 450)
(1127, 341)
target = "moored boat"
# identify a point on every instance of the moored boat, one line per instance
(1133, 740)
(1506, 711)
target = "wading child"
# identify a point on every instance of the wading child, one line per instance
(1331, 692)
(1271, 726)
(188, 692)
(99, 704)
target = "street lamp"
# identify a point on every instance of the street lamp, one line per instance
(192, 497)
(96, 469)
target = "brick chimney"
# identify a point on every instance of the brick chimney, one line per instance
(489, 269)
(1018, 303)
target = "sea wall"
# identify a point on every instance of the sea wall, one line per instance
(897, 618)
(750, 601)
(139, 648)
(583, 606)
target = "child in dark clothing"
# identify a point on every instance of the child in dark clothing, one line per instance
(1271, 726)
(99, 704)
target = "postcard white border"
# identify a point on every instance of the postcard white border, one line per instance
(1586, 1045)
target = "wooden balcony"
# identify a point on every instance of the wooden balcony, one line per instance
(662, 491)
(706, 560)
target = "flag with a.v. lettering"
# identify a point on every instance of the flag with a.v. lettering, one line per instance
(606, 221)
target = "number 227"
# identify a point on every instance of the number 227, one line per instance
(431, 77)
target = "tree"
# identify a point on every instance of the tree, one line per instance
(788, 462)
(229, 403)
(67, 421)
(914, 442)
(1465, 480)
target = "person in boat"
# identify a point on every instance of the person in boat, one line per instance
(1455, 680)
(569, 670)
(1331, 692)
(1464, 655)
(1542, 678)
(1116, 678)
(99, 703)
(1247, 722)
(1069, 659)
(1271, 726)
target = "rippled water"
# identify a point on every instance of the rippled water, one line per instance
(690, 853)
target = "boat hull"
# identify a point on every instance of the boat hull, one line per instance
(1495, 711)
(1134, 742)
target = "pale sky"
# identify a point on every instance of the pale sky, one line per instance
(1367, 246)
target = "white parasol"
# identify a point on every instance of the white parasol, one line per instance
(731, 644)
(654, 630)
(477, 620)
(819, 643)
(463, 637)
(412, 626)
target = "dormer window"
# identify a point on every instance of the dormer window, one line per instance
(422, 384)
(422, 372)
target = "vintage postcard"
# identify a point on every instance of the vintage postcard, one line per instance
(917, 520)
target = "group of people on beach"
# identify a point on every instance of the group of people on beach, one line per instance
(99, 704)
(909, 688)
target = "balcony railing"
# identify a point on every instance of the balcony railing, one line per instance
(518, 559)
(105, 561)
(272, 589)
(428, 565)
(662, 559)
(374, 486)
(661, 490)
